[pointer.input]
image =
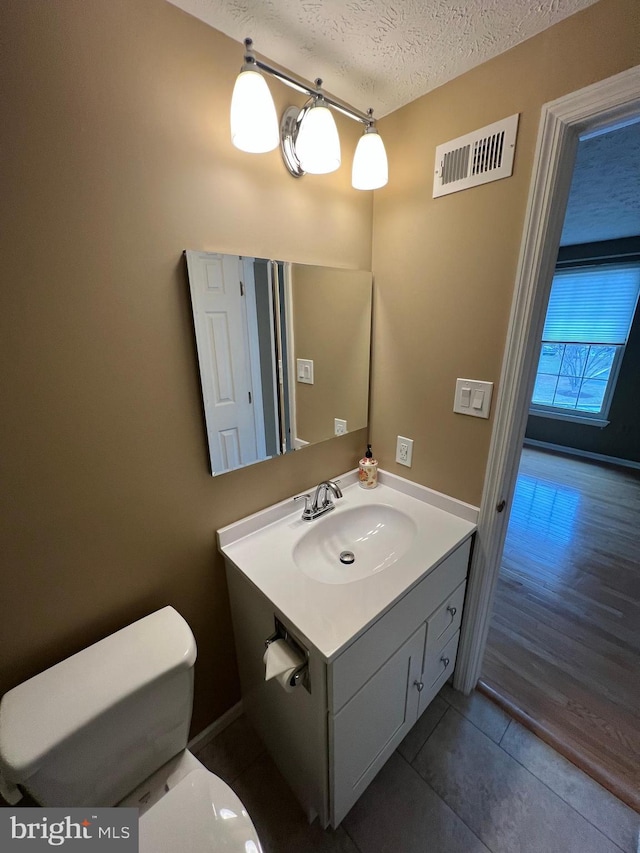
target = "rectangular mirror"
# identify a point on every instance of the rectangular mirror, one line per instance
(283, 351)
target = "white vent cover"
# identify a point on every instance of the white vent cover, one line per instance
(476, 158)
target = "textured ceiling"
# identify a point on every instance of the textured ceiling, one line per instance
(604, 202)
(373, 53)
(381, 54)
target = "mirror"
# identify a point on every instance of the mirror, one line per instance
(283, 352)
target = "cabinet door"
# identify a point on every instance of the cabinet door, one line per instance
(370, 726)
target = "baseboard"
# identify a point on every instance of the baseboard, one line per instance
(217, 726)
(586, 454)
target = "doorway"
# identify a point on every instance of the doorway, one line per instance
(562, 652)
(612, 102)
(563, 648)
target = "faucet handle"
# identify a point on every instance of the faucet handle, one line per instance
(307, 503)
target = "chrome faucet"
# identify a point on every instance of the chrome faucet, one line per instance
(322, 500)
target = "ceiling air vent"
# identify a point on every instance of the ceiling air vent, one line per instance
(476, 158)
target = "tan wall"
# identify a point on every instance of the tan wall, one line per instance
(115, 157)
(444, 269)
(332, 326)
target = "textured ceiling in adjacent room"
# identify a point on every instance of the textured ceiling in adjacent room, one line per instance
(376, 53)
(604, 202)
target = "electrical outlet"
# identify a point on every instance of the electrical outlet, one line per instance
(404, 451)
(339, 426)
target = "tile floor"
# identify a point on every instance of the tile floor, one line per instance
(466, 779)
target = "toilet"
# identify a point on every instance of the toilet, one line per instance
(109, 726)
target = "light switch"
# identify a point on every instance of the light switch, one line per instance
(304, 370)
(478, 399)
(473, 397)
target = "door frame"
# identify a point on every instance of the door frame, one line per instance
(595, 109)
(247, 276)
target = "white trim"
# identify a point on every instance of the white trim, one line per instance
(604, 104)
(217, 726)
(586, 454)
(275, 373)
(569, 415)
(456, 507)
(253, 339)
(296, 442)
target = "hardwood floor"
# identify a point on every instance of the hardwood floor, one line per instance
(563, 652)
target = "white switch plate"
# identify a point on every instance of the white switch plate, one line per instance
(304, 370)
(339, 426)
(473, 398)
(404, 451)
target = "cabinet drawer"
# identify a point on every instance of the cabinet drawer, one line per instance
(444, 623)
(440, 662)
(366, 655)
(429, 692)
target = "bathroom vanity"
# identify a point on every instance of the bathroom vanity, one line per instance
(377, 637)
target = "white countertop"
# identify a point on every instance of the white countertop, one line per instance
(331, 616)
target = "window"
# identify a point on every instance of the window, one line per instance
(586, 328)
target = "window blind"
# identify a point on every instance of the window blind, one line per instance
(592, 304)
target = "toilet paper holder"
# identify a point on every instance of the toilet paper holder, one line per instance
(300, 676)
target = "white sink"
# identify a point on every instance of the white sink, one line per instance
(342, 547)
(397, 532)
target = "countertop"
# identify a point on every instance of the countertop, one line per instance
(331, 616)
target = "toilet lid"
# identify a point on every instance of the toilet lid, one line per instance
(200, 814)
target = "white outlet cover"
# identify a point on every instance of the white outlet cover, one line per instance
(339, 426)
(473, 397)
(404, 451)
(304, 370)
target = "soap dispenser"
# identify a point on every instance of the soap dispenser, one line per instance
(368, 473)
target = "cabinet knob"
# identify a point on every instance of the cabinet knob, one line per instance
(445, 661)
(419, 686)
(452, 610)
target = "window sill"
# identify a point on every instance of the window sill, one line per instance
(570, 416)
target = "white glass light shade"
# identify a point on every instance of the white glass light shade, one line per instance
(254, 122)
(318, 143)
(370, 168)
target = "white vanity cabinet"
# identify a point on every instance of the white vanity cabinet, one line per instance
(331, 742)
(376, 637)
(383, 682)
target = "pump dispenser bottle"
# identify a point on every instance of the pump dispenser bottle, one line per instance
(368, 473)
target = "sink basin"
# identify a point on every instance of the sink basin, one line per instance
(398, 533)
(373, 536)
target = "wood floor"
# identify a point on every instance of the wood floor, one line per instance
(563, 651)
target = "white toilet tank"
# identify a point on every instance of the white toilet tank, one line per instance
(88, 730)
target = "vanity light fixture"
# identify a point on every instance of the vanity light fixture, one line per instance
(254, 121)
(308, 137)
(370, 169)
(317, 144)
